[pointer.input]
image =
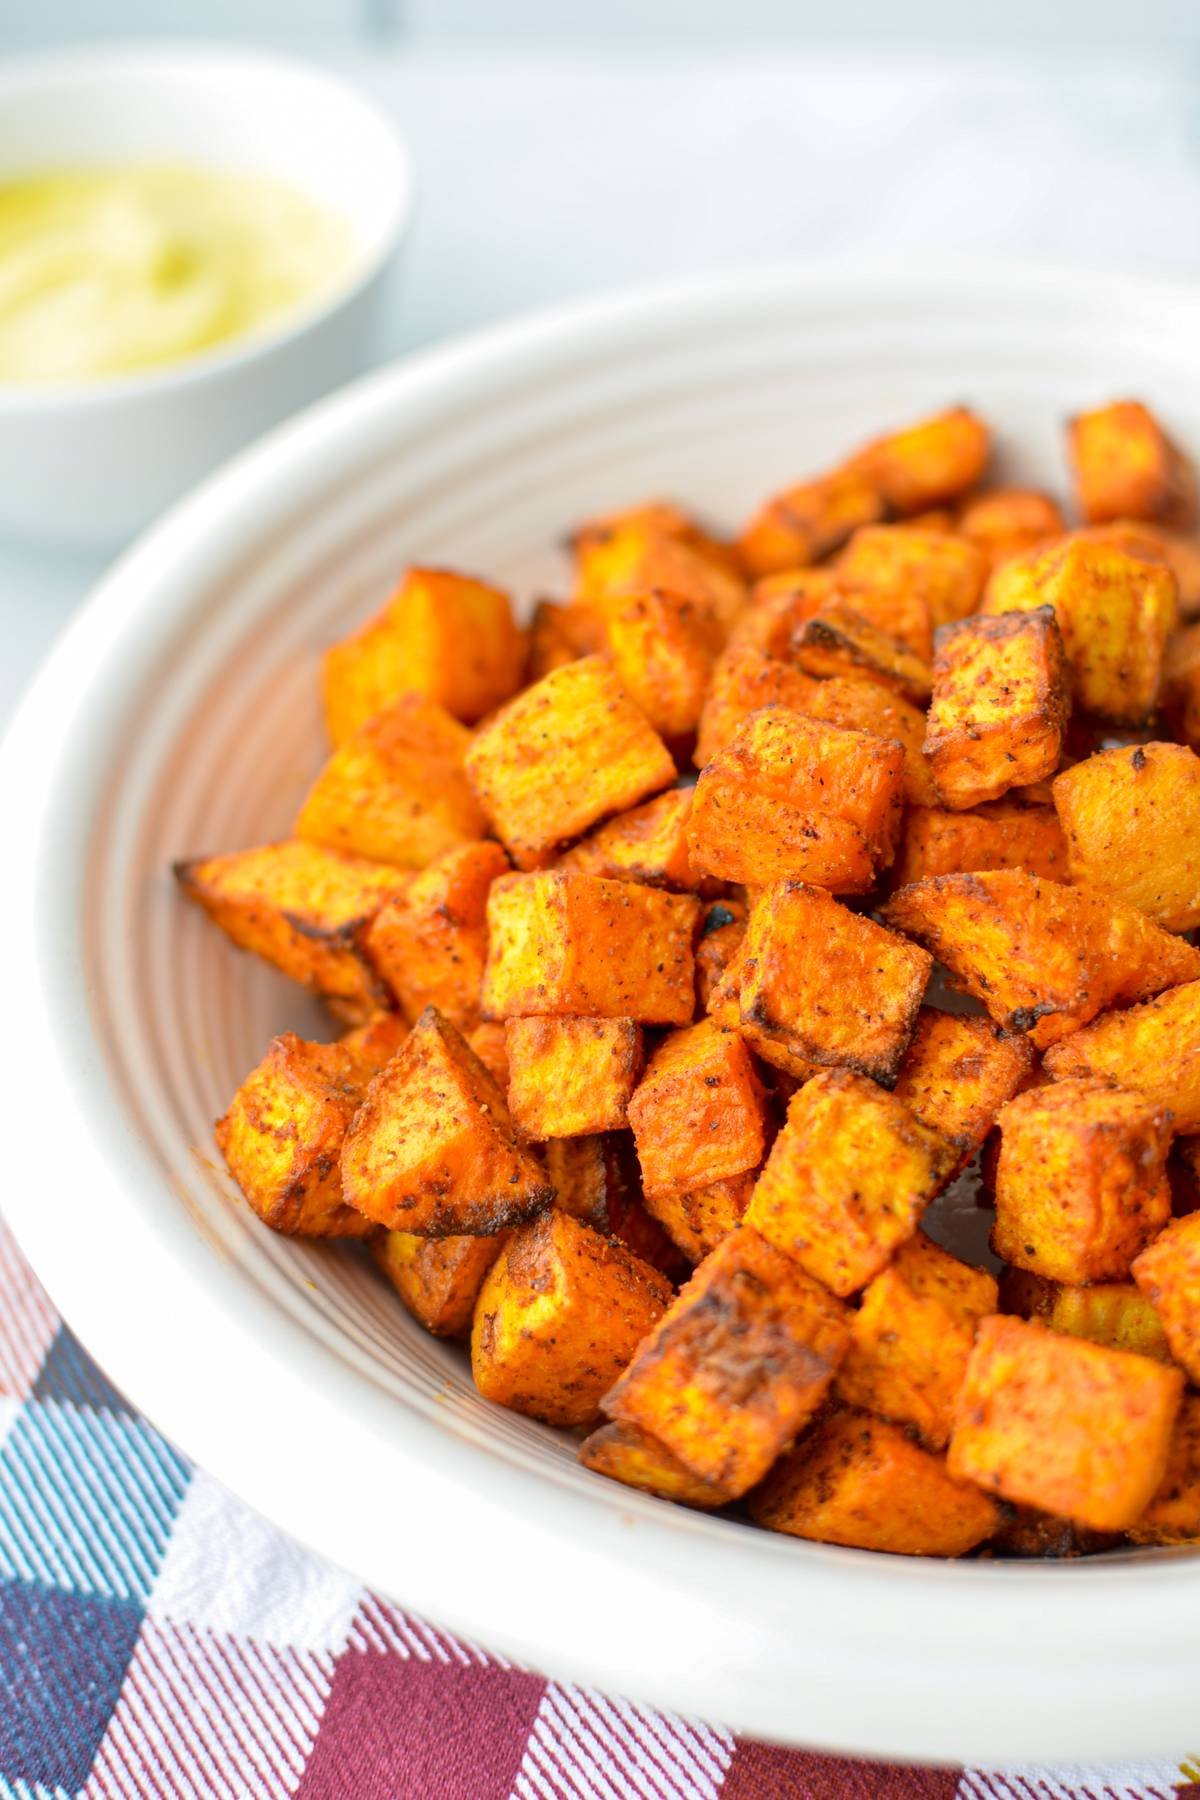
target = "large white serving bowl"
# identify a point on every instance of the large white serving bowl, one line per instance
(179, 714)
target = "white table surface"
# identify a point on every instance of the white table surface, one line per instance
(543, 179)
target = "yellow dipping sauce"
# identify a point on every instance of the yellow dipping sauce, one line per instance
(106, 272)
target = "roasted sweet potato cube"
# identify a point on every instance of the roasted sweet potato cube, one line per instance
(957, 1073)
(648, 844)
(663, 647)
(633, 1457)
(562, 943)
(1168, 1273)
(560, 1314)
(558, 635)
(571, 1077)
(633, 552)
(1008, 521)
(375, 1042)
(857, 1480)
(911, 1338)
(697, 1219)
(431, 1149)
(442, 635)
(792, 796)
(1067, 1426)
(655, 518)
(1043, 958)
(567, 752)
(926, 464)
(744, 680)
(1081, 1182)
(1115, 1313)
(725, 1009)
(738, 1364)
(1126, 467)
(396, 791)
(1173, 1516)
(779, 605)
(438, 1279)
(1001, 700)
(1007, 834)
(864, 706)
(282, 1137)
(430, 943)
(699, 1113)
(841, 640)
(301, 907)
(490, 1045)
(597, 1179)
(805, 522)
(847, 1179)
(902, 615)
(948, 573)
(721, 933)
(1132, 824)
(1153, 1049)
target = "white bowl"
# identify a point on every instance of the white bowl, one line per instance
(179, 714)
(91, 463)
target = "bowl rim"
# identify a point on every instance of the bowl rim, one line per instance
(187, 56)
(1048, 1651)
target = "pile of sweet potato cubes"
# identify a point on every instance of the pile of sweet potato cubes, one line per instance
(637, 1084)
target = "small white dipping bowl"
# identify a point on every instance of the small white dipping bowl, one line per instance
(92, 462)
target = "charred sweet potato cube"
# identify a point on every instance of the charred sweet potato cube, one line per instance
(431, 1149)
(1126, 467)
(957, 1073)
(282, 1137)
(663, 647)
(571, 1077)
(697, 1219)
(805, 522)
(1043, 958)
(442, 635)
(1081, 1183)
(721, 933)
(1173, 1516)
(597, 1179)
(745, 680)
(823, 984)
(626, 1454)
(737, 1365)
(302, 908)
(1064, 1425)
(1007, 834)
(1132, 824)
(925, 464)
(699, 1113)
(841, 640)
(1115, 1313)
(1168, 1273)
(648, 844)
(564, 754)
(396, 791)
(1001, 700)
(725, 1009)
(562, 943)
(646, 548)
(430, 943)
(438, 1279)
(1028, 1533)
(1152, 1049)
(902, 615)
(949, 573)
(859, 1481)
(792, 796)
(911, 1337)
(1008, 521)
(560, 1314)
(847, 1179)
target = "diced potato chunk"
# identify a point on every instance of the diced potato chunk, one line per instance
(949, 573)
(442, 635)
(806, 522)
(626, 1454)
(564, 754)
(841, 640)
(1009, 521)
(745, 680)
(1126, 467)
(1153, 1049)
(430, 943)
(1173, 1516)
(1168, 1273)
(697, 1219)
(1000, 706)
(847, 1179)
(438, 1279)
(1132, 824)
(431, 1150)
(925, 464)
(564, 943)
(571, 1077)
(739, 1363)
(1081, 1183)
(1064, 1425)
(648, 844)
(1115, 1313)
(561, 1313)
(663, 647)
(1008, 834)
(857, 1480)
(957, 1073)
(699, 1113)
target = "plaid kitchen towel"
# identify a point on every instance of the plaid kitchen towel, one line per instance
(158, 1639)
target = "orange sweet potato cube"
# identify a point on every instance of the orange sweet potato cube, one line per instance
(596, 1179)
(633, 1457)
(1173, 1516)
(911, 1338)
(1115, 1313)
(948, 572)
(1043, 958)
(1153, 1049)
(928, 463)
(744, 680)
(841, 640)
(489, 1044)
(1008, 521)
(431, 1149)
(805, 522)
(738, 1364)
(657, 547)
(779, 605)
(429, 944)
(699, 1113)
(647, 844)
(847, 1179)
(864, 706)
(1064, 1425)
(562, 943)
(663, 647)
(857, 1480)
(957, 1073)
(1168, 1273)
(1132, 824)
(1007, 834)
(1126, 467)
(789, 796)
(571, 1077)
(696, 1219)
(1081, 1182)
(561, 1312)
(562, 756)
(301, 907)
(438, 1279)
(375, 1042)
(559, 634)
(721, 933)
(1001, 700)
(442, 635)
